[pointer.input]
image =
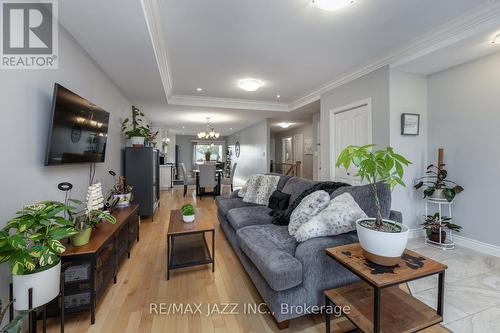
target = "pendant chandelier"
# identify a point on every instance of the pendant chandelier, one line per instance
(210, 133)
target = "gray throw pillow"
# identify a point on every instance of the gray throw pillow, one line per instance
(260, 188)
(338, 218)
(308, 207)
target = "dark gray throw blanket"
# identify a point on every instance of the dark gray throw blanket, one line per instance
(283, 217)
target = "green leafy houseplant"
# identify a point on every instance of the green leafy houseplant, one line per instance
(188, 210)
(85, 221)
(434, 225)
(375, 166)
(30, 242)
(435, 180)
(208, 153)
(16, 324)
(137, 127)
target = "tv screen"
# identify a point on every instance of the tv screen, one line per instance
(78, 131)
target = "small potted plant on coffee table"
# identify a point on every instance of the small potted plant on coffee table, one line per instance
(434, 226)
(383, 241)
(188, 213)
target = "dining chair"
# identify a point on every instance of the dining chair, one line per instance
(207, 178)
(186, 179)
(229, 181)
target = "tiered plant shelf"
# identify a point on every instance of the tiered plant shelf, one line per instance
(442, 204)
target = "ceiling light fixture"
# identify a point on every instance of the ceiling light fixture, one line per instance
(210, 134)
(199, 89)
(284, 125)
(250, 84)
(278, 96)
(332, 4)
(496, 40)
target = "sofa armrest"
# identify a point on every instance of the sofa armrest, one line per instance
(396, 216)
(234, 194)
(320, 272)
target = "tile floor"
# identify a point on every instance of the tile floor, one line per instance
(472, 288)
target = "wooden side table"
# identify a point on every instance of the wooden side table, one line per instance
(186, 242)
(377, 304)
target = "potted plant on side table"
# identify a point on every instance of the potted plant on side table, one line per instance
(30, 243)
(136, 130)
(188, 213)
(383, 241)
(433, 225)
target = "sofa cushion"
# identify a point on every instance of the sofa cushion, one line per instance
(308, 207)
(260, 188)
(247, 216)
(338, 218)
(295, 186)
(224, 205)
(363, 196)
(272, 249)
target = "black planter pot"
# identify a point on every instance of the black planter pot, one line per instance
(434, 236)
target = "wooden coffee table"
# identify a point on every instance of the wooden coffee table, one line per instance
(377, 304)
(186, 242)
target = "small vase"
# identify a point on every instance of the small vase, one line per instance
(81, 238)
(123, 200)
(188, 218)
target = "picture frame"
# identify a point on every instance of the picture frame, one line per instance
(410, 124)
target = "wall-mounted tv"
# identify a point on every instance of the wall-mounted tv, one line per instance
(78, 130)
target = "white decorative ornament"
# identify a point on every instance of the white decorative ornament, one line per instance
(95, 199)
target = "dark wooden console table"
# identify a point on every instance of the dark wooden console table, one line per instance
(91, 268)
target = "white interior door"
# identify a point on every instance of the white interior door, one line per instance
(298, 150)
(287, 153)
(351, 126)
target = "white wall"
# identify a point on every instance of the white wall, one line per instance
(26, 98)
(408, 94)
(464, 119)
(374, 85)
(254, 145)
(316, 119)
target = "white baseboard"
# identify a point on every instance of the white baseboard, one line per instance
(472, 244)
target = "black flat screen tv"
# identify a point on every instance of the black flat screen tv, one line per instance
(78, 130)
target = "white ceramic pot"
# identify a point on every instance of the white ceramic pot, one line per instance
(137, 141)
(188, 218)
(438, 195)
(45, 286)
(383, 248)
(123, 199)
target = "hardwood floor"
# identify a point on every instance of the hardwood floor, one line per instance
(142, 283)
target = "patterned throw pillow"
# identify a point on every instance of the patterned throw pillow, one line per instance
(243, 190)
(260, 188)
(338, 218)
(308, 207)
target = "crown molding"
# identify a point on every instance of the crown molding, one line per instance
(483, 17)
(228, 103)
(151, 9)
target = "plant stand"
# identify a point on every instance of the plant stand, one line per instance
(32, 316)
(448, 244)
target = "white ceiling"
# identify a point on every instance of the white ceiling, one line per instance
(159, 51)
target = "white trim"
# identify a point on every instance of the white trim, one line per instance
(340, 109)
(229, 103)
(469, 243)
(455, 30)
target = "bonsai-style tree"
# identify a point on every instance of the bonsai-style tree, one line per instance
(380, 166)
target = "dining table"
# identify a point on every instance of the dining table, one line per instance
(218, 172)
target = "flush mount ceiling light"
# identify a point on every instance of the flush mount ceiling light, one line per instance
(250, 84)
(284, 125)
(332, 4)
(496, 40)
(199, 89)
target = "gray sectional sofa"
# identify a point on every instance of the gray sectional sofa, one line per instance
(291, 276)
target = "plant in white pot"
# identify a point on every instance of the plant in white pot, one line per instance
(383, 241)
(121, 193)
(188, 213)
(30, 243)
(136, 130)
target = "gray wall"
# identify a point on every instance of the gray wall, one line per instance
(26, 97)
(374, 85)
(307, 162)
(254, 143)
(185, 143)
(464, 118)
(408, 94)
(316, 119)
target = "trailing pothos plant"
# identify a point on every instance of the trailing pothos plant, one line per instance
(136, 126)
(16, 324)
(375, 166)
(435, 180)
(30, 242)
